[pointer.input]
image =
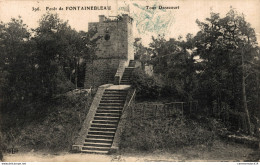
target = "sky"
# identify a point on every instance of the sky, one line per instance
(148, 18)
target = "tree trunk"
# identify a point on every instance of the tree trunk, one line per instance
(76, 73)
(244, 94)
(258, 110)
(258, 97)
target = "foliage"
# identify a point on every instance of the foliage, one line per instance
(40, 63)
(36, 66)
(228, 49)
(147, 87)
(174, 65)
(219, 66)
(142, 53)
(219, 44)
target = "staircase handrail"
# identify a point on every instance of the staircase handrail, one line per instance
(122, 121)
(132, 97)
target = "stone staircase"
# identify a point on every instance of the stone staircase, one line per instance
(131, 63)
(100, 133)
(127, 73)
(103, 128)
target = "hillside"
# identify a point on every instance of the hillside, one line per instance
(53, 130)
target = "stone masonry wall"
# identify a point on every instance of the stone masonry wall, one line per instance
(102, 71)
(117, 45)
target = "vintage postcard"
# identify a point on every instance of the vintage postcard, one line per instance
(129, 81)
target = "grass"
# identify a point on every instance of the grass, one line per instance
(164, 133)
(55, 130)
(180, 139)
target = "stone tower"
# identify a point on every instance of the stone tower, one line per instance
(114, 49)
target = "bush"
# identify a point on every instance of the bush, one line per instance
(153, 87)
(147, 87)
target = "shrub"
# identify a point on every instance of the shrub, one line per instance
(147, 87)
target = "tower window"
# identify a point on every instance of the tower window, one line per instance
(107, 37)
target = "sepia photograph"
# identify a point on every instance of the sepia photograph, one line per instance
(130, 81)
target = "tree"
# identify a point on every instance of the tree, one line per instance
(224, 44)
(61, 46)
(142, 53)
(173, 63)
(15, 65)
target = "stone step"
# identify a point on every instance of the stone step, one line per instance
(103, 129)
(131, 64)
(112, 101)
(100, 137)
(110, 108)
(113, 95)
(104, 125)
(95, 140)
(101, 133)
(116, 112)
(108, 114)
(97, 144)
(116, 91)
(111, 104)
(94, 151)
(113, 98)
(106, 118)
(106, 121)
(92, 148)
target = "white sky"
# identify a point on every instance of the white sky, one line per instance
(182, 19)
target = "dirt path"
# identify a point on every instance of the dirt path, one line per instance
(220, 151)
